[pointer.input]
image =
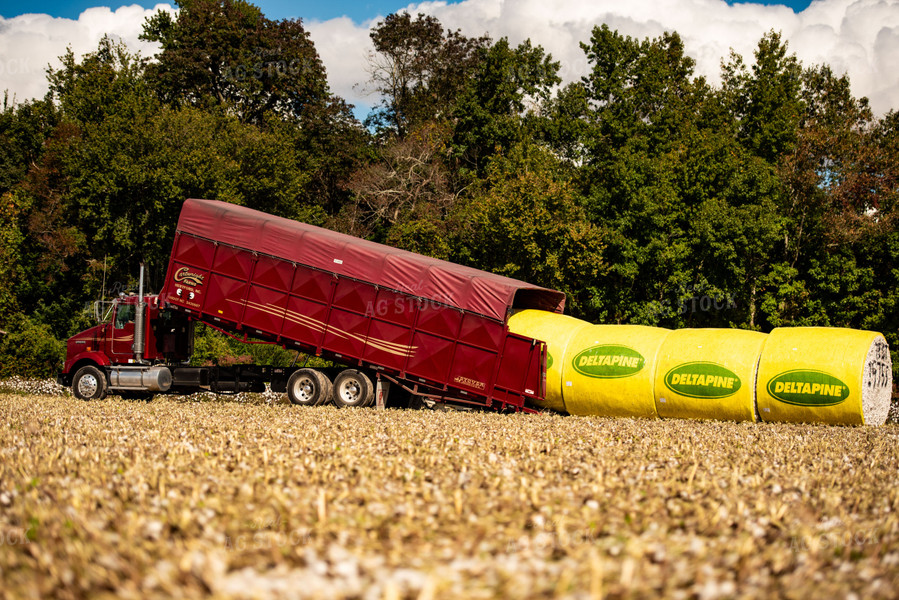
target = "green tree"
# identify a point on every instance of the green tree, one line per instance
(51, 240)
(109, 185)
(24, 128)
(637, 114)
(24, 132)
(226, 54)
(505, 90)
(639, 91)
(419, 70)
(566, 124)
(29, 349)
(524, 222)
(11, 268)
(403, 195)
(733, 227)
(692, 216)
(842, 183)
(766, 98)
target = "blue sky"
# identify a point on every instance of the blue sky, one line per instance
(358, 10)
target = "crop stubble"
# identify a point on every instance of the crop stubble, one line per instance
(252, 499)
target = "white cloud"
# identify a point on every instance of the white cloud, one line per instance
(31, 42)
(344, 47)
(859, 37)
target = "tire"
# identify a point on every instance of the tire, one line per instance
(89, 383)
(308, 387)
(352, 388)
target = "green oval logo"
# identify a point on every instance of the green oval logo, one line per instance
(805, 387)
(608, 361)
(549, 361)
(702, 380)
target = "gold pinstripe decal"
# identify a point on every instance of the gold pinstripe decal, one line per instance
(301, 319)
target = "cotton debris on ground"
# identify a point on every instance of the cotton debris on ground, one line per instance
(255, 499)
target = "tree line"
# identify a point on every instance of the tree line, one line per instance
(645, 193)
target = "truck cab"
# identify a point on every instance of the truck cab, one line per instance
(129, 350)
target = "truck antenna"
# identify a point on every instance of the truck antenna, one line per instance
(103, 289)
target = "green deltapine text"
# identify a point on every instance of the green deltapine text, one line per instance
(608, 361)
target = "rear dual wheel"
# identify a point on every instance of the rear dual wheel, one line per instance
(308, 387)
(353, 388)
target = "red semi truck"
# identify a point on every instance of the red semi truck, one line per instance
(435, 329)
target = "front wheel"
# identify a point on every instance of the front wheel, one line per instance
(353, 388)
(308, 387)
(89, 383)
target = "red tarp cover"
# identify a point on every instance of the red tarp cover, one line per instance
(445, 282)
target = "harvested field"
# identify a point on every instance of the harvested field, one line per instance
(255, 499)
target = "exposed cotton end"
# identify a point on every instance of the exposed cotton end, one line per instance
(877, 383)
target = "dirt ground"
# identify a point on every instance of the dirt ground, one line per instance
(260, 499)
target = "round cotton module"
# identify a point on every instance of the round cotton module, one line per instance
(556, 330)
(609, 370)
(825, 375)
(708, 374)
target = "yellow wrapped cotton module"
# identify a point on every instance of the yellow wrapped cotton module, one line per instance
(826, 375)
(609, 370)
(708, 374)
(556, 330)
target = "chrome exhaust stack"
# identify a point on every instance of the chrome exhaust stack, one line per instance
(140, 319)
